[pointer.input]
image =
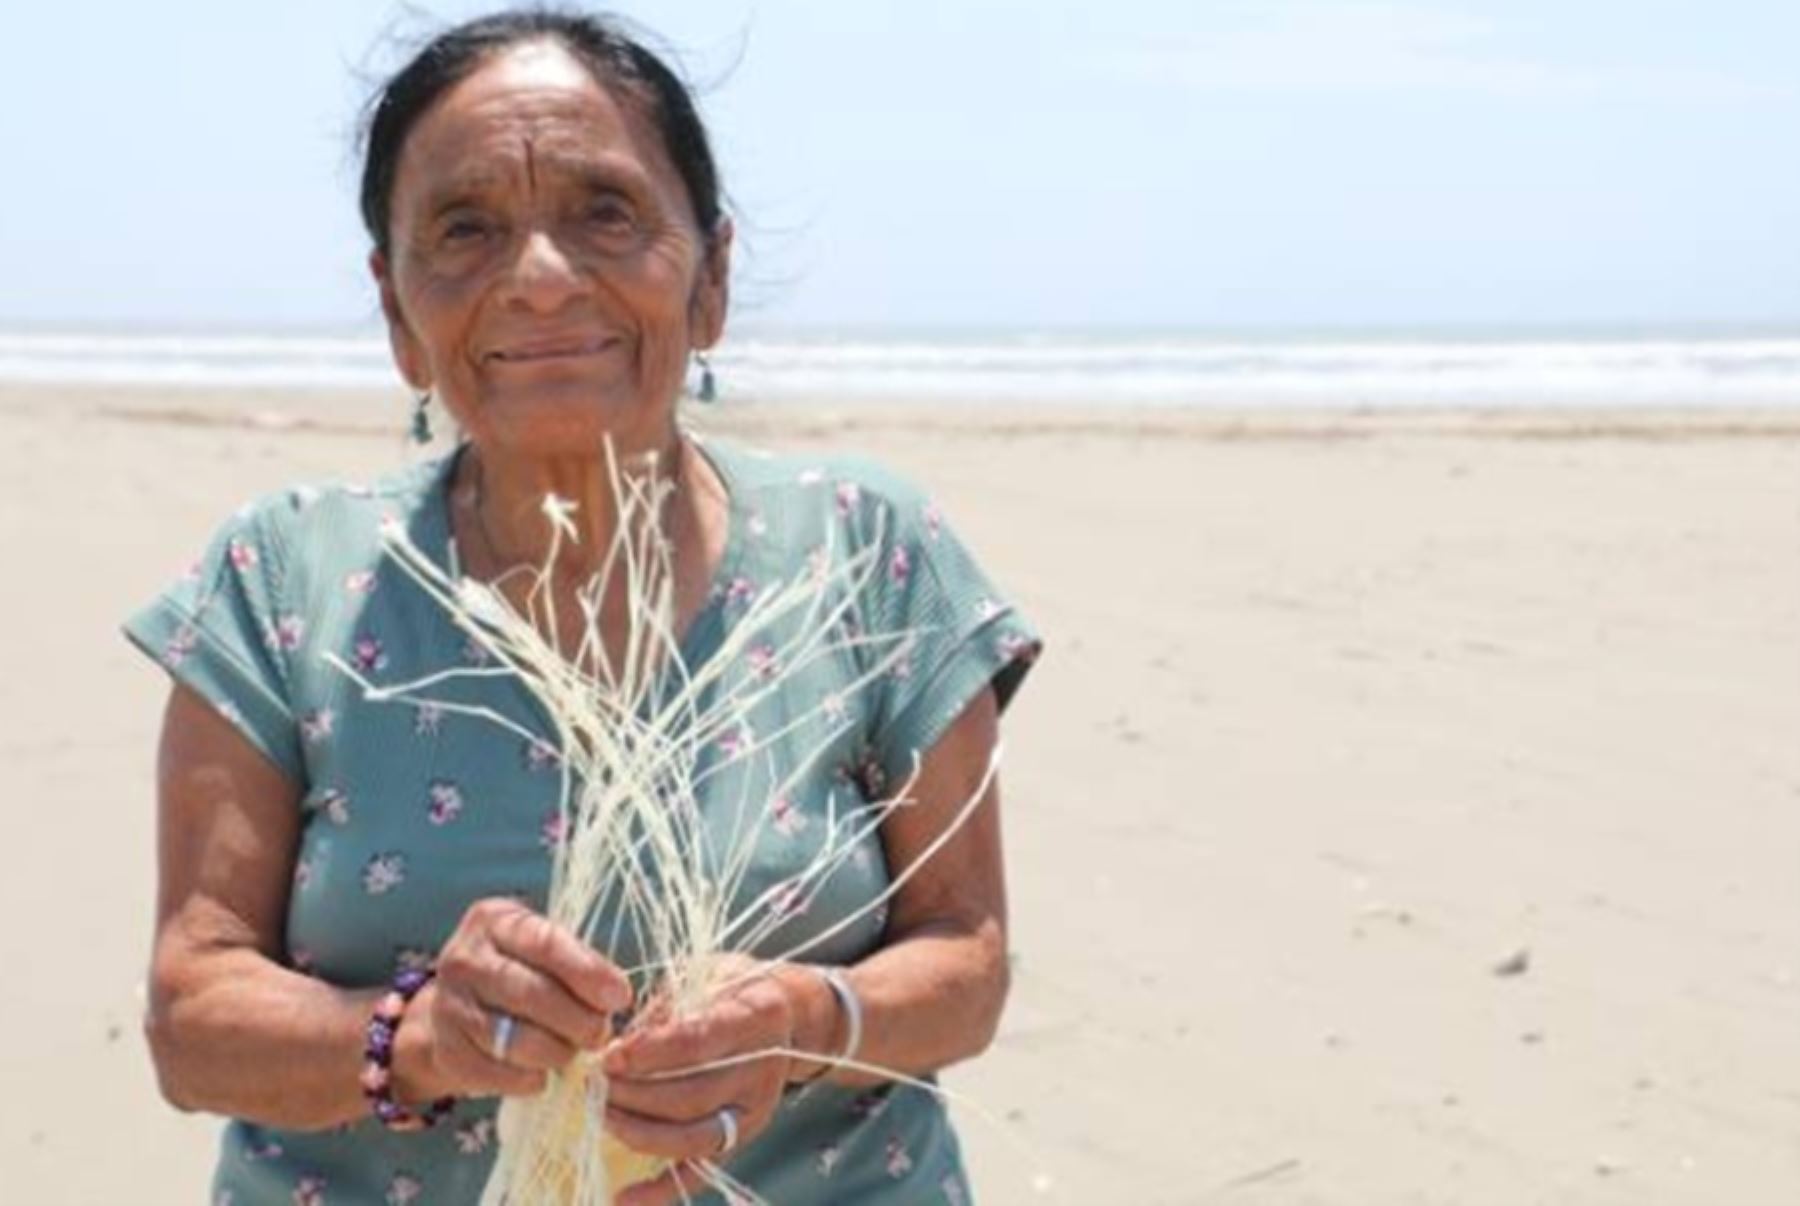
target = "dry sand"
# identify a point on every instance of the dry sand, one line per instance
(1340, 713)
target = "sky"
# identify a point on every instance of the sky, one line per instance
(972, 164)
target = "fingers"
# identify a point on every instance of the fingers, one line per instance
(503, 985)
(654, 1108)
(700, 1138)
(462, 1053)
(529, 1045)
(681, 1098)
(506, 959)
(509, 959)
(534, 940)
(748, 1020)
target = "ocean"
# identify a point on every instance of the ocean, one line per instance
(1498, 369)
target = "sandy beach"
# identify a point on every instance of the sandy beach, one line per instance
(1407, 810)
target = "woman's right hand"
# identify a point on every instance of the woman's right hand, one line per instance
(505, 958)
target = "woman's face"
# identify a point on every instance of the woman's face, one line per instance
(547, 277)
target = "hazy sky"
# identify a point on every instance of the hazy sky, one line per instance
(986, 162)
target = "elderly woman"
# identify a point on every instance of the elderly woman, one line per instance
(550, 251)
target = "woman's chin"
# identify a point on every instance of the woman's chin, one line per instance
(567, 418)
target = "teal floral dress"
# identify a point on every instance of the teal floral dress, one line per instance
(412, 810)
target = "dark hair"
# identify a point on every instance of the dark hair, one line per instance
(598, 42)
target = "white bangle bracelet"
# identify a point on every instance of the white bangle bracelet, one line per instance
(839, 983)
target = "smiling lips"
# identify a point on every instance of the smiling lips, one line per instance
(540, 350)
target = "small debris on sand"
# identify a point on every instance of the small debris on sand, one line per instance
(1515, 964)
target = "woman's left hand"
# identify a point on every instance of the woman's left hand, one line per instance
(655, 1109)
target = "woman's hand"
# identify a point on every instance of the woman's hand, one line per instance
(505, 959)
(657, 1107)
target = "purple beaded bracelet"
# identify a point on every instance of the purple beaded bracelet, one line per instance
(378, 1057)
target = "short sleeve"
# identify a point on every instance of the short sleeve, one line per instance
(955, 633)
(224, 631)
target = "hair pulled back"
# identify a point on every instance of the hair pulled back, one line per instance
(599, 42)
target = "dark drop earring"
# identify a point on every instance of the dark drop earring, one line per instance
(709, 385)
(421, 420)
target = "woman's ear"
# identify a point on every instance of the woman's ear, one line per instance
(409, 356)
(712, 291)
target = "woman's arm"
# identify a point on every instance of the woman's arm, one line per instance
(933, 994)
(233, 1031)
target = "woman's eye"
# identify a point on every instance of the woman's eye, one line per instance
(612, 215)
(463, 230)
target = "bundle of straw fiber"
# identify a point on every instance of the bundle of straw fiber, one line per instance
(631, 724)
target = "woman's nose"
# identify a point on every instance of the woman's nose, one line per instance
(543, 276)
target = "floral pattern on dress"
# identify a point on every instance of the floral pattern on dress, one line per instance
(870, 1105)
(899, 1160)
(444, 802)
(788, 901)
(368, 655)
(317, 725)
(428, 719)
(737, 741)
(553, 830)
(540, 755)
(474, 1137)
(787, 819)
(403, 1189)
(288, 632)
(334, 805)
(359, 582)
(309, 1190)
(1012, 645)
(183, 642)
(902, 668)
(762, 661)
(383, 873)
(866, 773)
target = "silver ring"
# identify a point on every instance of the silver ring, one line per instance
(505, 1026)
(728, 1128)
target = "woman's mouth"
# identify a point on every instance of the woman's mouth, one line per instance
(538, 351)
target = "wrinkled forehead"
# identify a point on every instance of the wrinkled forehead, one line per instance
(527, 117)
